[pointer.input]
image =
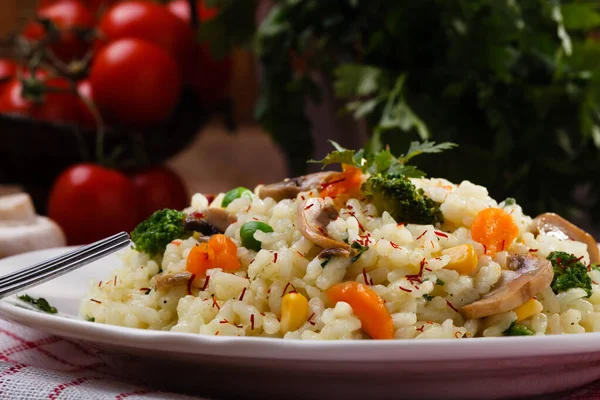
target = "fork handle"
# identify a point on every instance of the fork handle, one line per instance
(47, 270)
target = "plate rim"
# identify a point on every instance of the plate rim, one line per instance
(295, 349)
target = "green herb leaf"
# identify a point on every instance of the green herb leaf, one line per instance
(428, 297)
(517, 330)
(340, 156)
(440, 282)
(383, 160)
(409, 171)
(362, 108)
(417, 148)
(360, 249)
(40, 303)
(398, 115)
(356, 80)
(509, 201)
(581, 16)
(90, 319)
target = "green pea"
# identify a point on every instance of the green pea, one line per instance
(247, 234)
(235, 194)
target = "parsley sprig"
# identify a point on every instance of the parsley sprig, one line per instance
(39, 303)
(359, 249)
(383, 161)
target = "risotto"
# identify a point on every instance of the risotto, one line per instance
(322, 264)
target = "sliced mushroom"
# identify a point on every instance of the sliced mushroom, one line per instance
(555, 225)
(209, 221)
(333, 252)
(312, 218)
(168, 281)
(289, 188)
(202, 238)
(528, 276)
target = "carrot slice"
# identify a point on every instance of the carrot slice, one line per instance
(227, 262)
(225, 253)
(200, 260)
(495, 229)
(347, 182)
(221, 243)
(219, 252)
(368, 307)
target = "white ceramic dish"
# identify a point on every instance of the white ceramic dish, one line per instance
(230, 367)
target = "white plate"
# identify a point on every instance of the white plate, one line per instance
(259, 367)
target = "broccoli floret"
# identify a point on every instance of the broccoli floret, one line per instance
(397, 195)
(517, 330)
(569, 273)
(154, 234)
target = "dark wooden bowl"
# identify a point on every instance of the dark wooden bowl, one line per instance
(33, 153)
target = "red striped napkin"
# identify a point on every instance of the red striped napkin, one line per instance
(35, 365)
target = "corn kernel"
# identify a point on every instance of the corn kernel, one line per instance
(294, 312)
(528, 309)
(463, 259)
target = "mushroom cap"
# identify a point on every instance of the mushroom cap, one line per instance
(291, 187)
(209, 221)
(528, 276)
(555, 225)
(312, 217)
(39, 233)
(21, 230)
(168, 280)
(17, 207)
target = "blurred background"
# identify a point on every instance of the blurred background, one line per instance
(111, 109)
(214, 160)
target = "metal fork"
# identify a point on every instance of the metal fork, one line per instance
(55, 267)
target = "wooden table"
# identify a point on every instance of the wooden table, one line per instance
(218, 160)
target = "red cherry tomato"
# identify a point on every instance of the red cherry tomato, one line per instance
(151, 22)
(181, 8)
(91, 202)
(135, 81)
(68, 16)
(54, 107)
(159, 188)
(211, 77)
(94, 6)
(8, 69)
(84, 87)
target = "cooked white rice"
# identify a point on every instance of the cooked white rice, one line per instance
(127, 297)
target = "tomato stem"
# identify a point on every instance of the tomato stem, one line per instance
(57, 64)
(82, 147)
(194, 14)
